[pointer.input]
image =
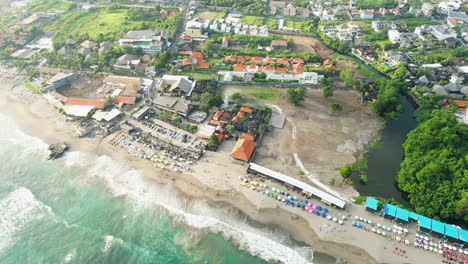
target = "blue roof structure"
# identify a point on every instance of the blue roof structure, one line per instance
(464, 235)
(390, 209)
(438, 227)
(402, 214)
(451, 231)
(414, 216)
(424, 222)
(372, 203)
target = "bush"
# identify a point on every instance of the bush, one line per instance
(327, 91)
(345, 171)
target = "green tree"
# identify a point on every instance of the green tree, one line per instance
(345, 171)
(335, 107)
(347, 76)
(327, 91)
(261, 129)
(237, 98)
(295, 96)
(230, 129)
(363, 178)
(213, 141)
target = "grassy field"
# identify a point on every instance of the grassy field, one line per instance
(211, 15)
(413, 22)
(198, 75)
(103, 21)
(257, 20)
(272, 95)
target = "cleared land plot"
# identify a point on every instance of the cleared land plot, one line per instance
(211, 15)
(257, 20)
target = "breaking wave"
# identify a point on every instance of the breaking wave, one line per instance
(268, 244)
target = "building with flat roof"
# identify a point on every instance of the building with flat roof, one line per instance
(150, 41)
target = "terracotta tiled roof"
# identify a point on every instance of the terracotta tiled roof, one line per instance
(279, 42)
(256, 59)
(217, 115)
(461, 103)
(298, 68)
(81, 101)
(283, 61)
(280, 70)
(125, 99)
(298, 60)
(215, 122)
(220, 137)
(243, 149)
(248, 137)
(239, 67)
(246, 110)
(186, 61)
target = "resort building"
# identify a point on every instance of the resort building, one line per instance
(243, 149)
(151, 41)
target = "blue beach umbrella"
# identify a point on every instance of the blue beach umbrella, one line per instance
(319, 208)
(302, 205)
(325, 210)
(324, 214)
(317, 213)
(306, 201)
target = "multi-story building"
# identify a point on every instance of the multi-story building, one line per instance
(150, 41)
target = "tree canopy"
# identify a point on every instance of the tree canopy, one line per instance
(327, 91)
(433, 171)
(296, 96)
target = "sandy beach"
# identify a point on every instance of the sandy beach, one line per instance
(217, 179)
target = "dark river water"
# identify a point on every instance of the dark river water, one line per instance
(384, 161)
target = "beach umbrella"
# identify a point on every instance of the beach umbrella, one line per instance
(267, 192)
(465, 252)
(302, 205)
(405, 230)
(309, 204)
(279, 198)
(306, 201)
(340, 222)
(353, 223)
(311, 211)
(319, 208)
(317, 212)
(361, 219)
(400, 228)
(417, 235)
(378, 232)
(253, 187)
(294, 198)
(426, 247)
(325, 210)
(343, 217)
(379, 225)
(329, 217)
(398, 238)
(431, 248)
(407, 242)
(356, 217)
(395, 226)
(373, 230)
(384, 227)
(416, 244)
(400, 233)
(369, 221)
(307, 208)
(426, 238)
(454, 248)
(441, 252)
(282, 199)
(324, 214)
(335, 219)
(439, 246)
(289, 197)
(273, 189)
(314, 206)
(384, 234)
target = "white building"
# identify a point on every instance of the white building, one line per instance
(427, 9)
(367, 14)
(394, 36)
(446, 7)
(151, 41)
(442, 32)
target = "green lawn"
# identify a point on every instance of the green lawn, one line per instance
(272, 95)
(31, 87)
(413, 22)
(257, 20)
(198, 75)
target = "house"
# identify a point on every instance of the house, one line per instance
(427, 8)
(225, 43)
(457, 78)
(105, 46)
(394, 36)
(88, 44)
(378, 25)
(395, 57)
(127, 61)
(196, 59)
(85, 51)
(451, 42)
(282, 44)
(60, 79)
(367, 14)
(173, 105)
(176, 84)
(243, 149)
(185, 39)
(442, 32)
(290, 10)
(70, 42)
(84, 102)
(150, 41)
(310, 78)
(298, 68)
(459, 16)
(452, 22)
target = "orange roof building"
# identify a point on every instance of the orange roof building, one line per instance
(298, 68)
(220, 137)
(217, 115)
(280, 70)
(81, 101)
(125, 100)
(248, 137)
(298, 60)
(246, 110)
(283, 61)
(256, 59)
(239, 67)
(243, 149)
(461, 105)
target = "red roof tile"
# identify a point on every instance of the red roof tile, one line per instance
(280, 70)
(239, 67)
(81, 101)
(298, 60)
(298, 68)
(283, 61)
(246, 110)
(125, 99)
(243, 149)
(248, 137)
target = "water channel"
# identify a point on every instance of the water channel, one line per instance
(384, 160)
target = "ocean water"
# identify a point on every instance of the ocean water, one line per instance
(84, 208)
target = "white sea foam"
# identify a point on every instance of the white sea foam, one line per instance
(17, 209)
(70, 256)
(265, 243)
(10, 132)
(108, 240)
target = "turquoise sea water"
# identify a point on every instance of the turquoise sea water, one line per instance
(87, 209)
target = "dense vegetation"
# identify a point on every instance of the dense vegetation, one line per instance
(434, 171)
(371, 4)
(252, 42)
(108, 22)
(252, 6)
